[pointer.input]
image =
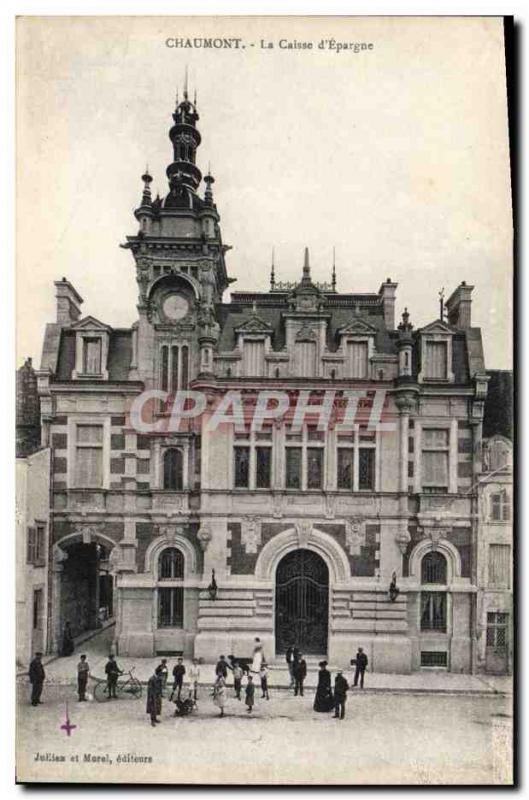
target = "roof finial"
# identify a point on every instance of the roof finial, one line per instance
(441, 304)
(272, 273)
(195, 98)
(147, 179)
(185, 84)
(177, 98)
(254, 307)
(306, 265)
(333, 279)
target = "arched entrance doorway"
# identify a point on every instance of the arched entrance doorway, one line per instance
(86, 592)
(302, 602)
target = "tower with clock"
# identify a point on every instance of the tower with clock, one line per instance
(180, 267)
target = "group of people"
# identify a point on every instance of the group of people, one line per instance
(184, 691)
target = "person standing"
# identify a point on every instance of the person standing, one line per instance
(83, 671)
(340, 693)
(68, 645)
(289, 657)
(178, 674)
(323, 701)
(194, 677)
(36, 678)
(222, 667)
(300, 673)
(237, 679)
(219, 693)
(164, 674)
(112, 671)
(258, 656)
(250, 694)
(154, 696)
(361, 664)
(264, 681)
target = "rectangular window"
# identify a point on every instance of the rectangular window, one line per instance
(345, 467)
(366, 469)
(293, 467)
(433, 611)
(314, 467)
(40, 541)
(89, 456)
(435, 456)
(500, 507)
(263, 467)
(37, 609)
(434, 658)
(31, 545)
(500, 566)
(171, 608)
(436, 361)
(357, 365)
(497, 630)
(92, 356)
(242, 467)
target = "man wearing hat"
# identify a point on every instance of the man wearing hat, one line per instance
(36, 678)
(340, 693)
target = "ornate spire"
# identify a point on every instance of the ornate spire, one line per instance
(147, 180)
(306, 267)
(183, 172)
(333, 278)
(209, 180)
(272, 274)
(405, 326)
(442, 304)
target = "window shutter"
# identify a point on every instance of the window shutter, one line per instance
(357, 359)
(32, 545)
(436, 361)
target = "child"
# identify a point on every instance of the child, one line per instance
(263, 672)
(250, 692)
(237, 679)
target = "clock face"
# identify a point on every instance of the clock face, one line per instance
(175, 306)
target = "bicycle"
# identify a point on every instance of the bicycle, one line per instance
(130, 686)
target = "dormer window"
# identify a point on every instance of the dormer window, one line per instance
(92, 355)
(436, 353)
(357, 344)
(91, 349)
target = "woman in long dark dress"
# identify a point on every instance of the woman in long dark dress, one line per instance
(324, 700)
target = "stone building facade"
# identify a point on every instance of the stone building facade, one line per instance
(199, 538)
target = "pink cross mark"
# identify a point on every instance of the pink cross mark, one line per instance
(66, 725)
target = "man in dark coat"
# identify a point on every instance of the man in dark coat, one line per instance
(340, 693)
(178, 674)
(83, 671)
(154, 696)
(36, 678)
(222, 667)
(361, 664)
(112, 671)
(300, 673)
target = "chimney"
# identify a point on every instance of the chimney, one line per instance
(387, 293)
(459, 306)
(68, 303)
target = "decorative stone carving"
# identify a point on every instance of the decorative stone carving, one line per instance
(59, 556)
(303, 531)
(170, 531)
(251, 534)
(204, 537)
(355, 535)
(403, 539)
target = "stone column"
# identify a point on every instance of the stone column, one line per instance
(59, 556)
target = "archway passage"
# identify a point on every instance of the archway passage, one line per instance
(302, 602)
(86, 587)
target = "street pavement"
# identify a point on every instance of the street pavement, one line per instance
(417, 739)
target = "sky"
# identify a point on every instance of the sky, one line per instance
(396, 156)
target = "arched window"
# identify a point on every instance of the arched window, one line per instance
(171, 564)
(173, 471)
(171, 599)
(433, 568)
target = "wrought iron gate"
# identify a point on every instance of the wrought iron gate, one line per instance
(302, 602)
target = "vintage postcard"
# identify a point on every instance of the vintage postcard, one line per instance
(264, 401)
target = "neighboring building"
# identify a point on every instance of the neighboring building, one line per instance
(301, 529)
(495, 548)
(32, 520)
